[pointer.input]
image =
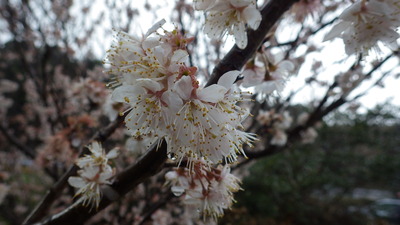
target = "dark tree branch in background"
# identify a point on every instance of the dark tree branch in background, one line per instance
(156, 207)
(30, 153)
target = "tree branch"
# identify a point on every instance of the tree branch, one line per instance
(14, 141)
(236, 57)
(150, 164)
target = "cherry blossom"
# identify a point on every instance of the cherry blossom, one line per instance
(267, 73)
(230, 17)
(94, 172)
(166, 100)
(276, 124)
(206, 124)
(365, 23)
(205, 189)
(97, 157)
(88, 183)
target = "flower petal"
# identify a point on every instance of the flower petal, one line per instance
(203, 4)
(76, 182)
(213, 93)
(155, 27)
(113, 153)
(240, 35)
(183, 87)
(252, 17)
(228, 78)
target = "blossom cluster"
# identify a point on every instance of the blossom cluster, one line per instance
(276, 124)
(267, 72)
(206, 189)
(166, 100)
(309, 134)
(229, 17)
(94, 172)
(365, 23)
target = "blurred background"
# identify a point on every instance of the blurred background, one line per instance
(53, 100)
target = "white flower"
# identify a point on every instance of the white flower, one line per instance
(284, 121)
(253, 76)
(147, 110)
(111, 108)
(365, 23)
(265, 118)
(231, 16)
(165, 99)
(94, 172)
(279, 69)
(279, 138)
(131, 59)
(206, 124)
(88, 183)
(206, 190)
(309, 135)
(267, 73)
(303, 118)
(140, 144)
(97, 156)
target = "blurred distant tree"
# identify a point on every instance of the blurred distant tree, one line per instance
(314, 183)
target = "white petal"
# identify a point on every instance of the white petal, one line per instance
(155, 27)
(112, 154)
(126, 91)
(241, 3)
(221, 6)
(160, 54)
(76, 182)
(203, 4)
(337, 30)
(173, 100)
(89, 172)
(228, 79)
(149, 84)
(286, 65)
(178, 191)
(213, 93)
(349, 13)
(252, 17)
(179, 55)
(252, 78)
(240, 35)
(171, 175)
(183, 87)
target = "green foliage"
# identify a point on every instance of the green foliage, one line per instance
(313, 184)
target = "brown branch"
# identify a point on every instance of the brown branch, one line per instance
(14, 141)
(147, 216)
(236, 57)
(150, 164)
